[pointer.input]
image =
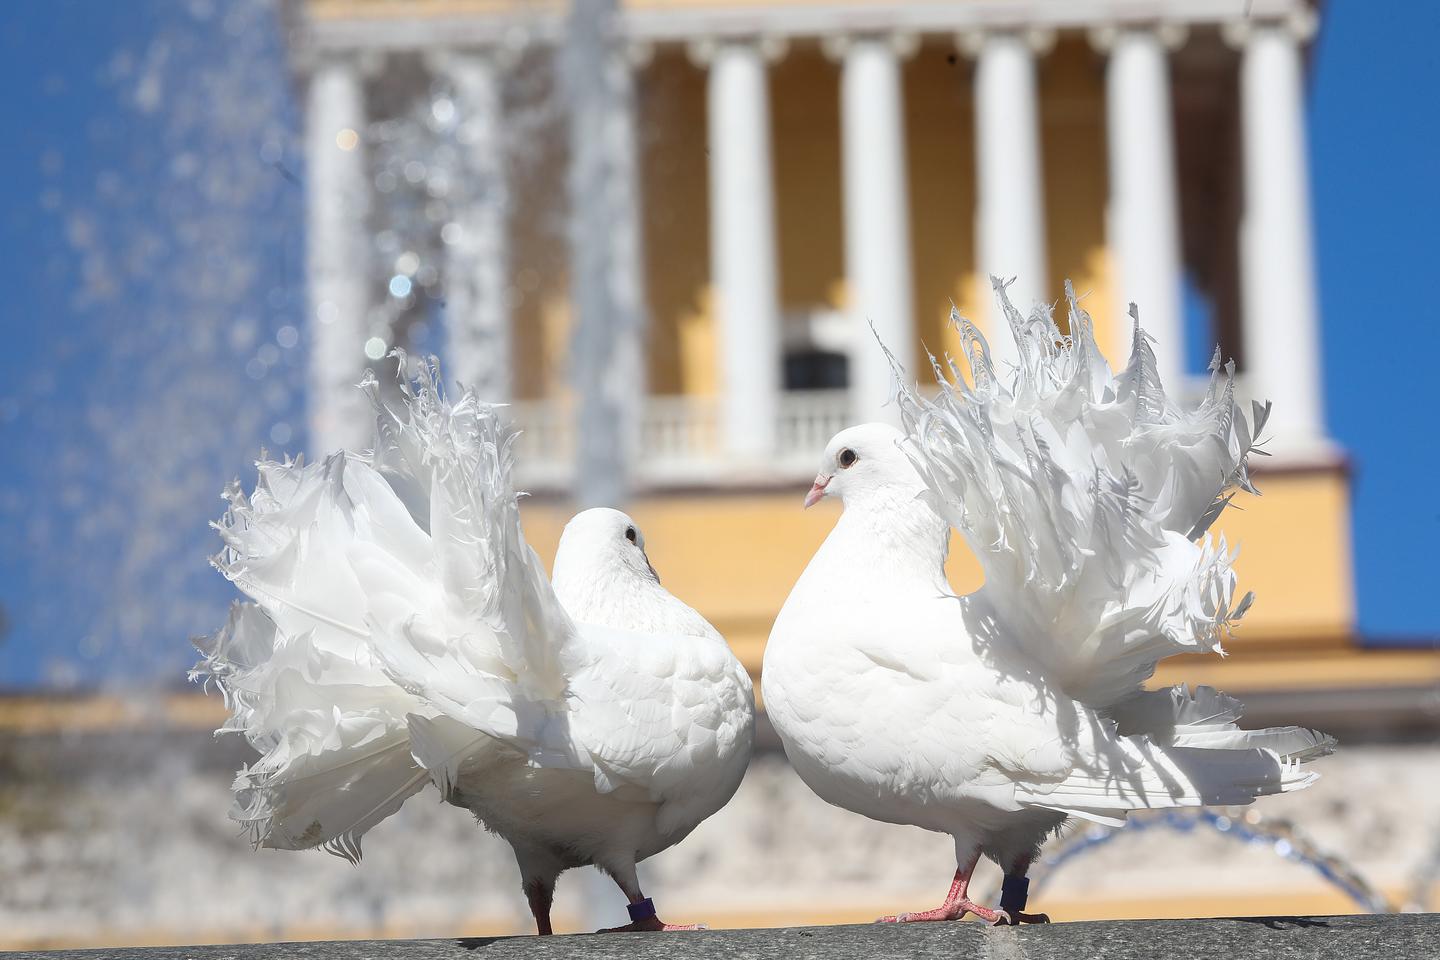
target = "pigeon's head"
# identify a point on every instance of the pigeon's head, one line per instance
(861, 461)
(601, 539)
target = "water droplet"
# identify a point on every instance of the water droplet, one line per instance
(280, 433)
(287, 336)
(375, 348)
(242, 334)
(400, 286)
(277, 398)
(52, 161)
(347, 139)
(184, 165)
(407, 263)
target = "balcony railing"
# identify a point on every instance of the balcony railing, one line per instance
(680, 440)
(681, 444)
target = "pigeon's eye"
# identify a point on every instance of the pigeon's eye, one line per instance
(848, 457)
(631, 535)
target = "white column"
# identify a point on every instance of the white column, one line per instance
(1010, 190)
(1144, 220)
(742, 248)
(337, 256)
(1279, 314)
(477, 261)
(877, 223)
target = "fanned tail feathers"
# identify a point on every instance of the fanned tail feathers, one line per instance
(1086, 496)
(391, 591)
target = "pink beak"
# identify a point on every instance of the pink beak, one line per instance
(817, 491)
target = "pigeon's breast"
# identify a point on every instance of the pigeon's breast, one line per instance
(873, 720)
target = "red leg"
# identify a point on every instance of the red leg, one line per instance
(540, 895)
(957, 902)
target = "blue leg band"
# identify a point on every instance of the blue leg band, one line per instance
(1014, 893)
(642, 910)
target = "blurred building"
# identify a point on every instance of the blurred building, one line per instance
(782, 173)
(778, 175)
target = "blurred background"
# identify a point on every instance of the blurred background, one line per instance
(658, 228)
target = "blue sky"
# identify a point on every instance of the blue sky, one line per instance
(1374, 136)
(102, 537)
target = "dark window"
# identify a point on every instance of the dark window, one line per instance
(816, 370)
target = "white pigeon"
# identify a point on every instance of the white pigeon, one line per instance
(995, 716)
(403, 633)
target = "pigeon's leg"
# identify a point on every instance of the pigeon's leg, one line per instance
(539, 869)
(540, 893)
(642, 909)
(1014, 892)
(957, 901)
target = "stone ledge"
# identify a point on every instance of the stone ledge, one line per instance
(1393, 937)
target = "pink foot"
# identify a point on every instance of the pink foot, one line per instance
(653, 924)
(951, 910)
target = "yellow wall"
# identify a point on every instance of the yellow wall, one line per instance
(671, 113)
(1295, 540)
(1072, 135)
(940, 153)
(734, 557)
(805, 131)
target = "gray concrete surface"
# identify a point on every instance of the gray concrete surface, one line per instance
(1393, 937)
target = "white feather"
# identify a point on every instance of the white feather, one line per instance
(402, 632)
(1082, 493)
(1086, 497)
